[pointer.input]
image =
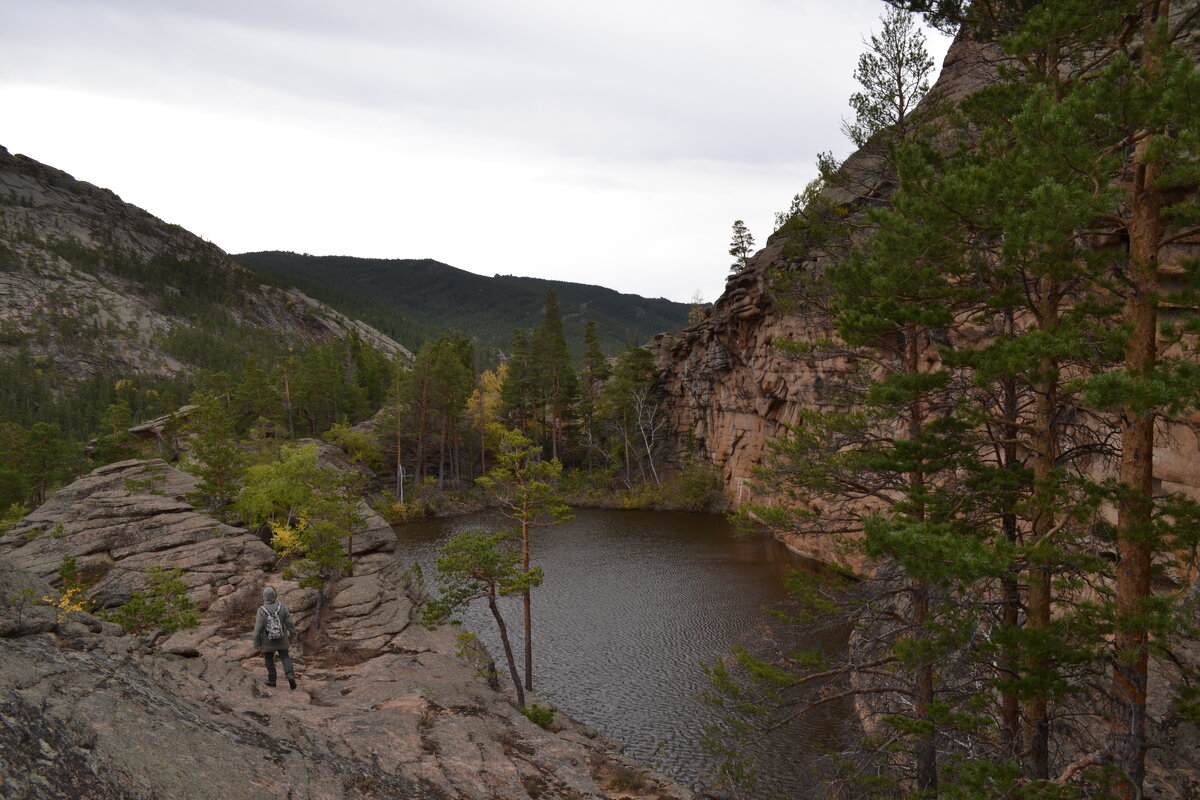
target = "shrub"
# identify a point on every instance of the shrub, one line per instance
(586, 486)
(164, 606)
(542, 716)
(359, 447)
(628, 779)
(10, 517)
(698, 488)
(398, 513)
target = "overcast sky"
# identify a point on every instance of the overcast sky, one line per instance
(608, 142)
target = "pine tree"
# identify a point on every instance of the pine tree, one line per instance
(525, 488)
(741, 247)
(214, 454)
(451, 377)
(115, 442)
(474, 565)
(519, 391)
(1014, 213)
(782, 217)
(595, 373)
(46, 459)
(894, 75)
(556, 384)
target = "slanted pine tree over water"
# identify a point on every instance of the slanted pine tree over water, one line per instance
(1010, 336)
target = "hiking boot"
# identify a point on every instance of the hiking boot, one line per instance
(291, 683)
(271, 683)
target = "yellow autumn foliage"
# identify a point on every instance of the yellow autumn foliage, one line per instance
(287, 539)
(73, 599)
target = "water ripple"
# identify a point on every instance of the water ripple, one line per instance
(632, 604)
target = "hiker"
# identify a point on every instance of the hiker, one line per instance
(272, 625)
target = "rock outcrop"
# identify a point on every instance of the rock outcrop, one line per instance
(384, 707)
(729, 387)
(80, 284)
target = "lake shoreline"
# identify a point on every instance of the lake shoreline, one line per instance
(634, 603)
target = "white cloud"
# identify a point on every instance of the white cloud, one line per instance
(609, 143)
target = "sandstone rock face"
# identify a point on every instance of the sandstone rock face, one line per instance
(384, 707)
(731, 388)
(62, 295)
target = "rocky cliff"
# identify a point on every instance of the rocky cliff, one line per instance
(732, 390)
(93, 283)
(384, 707)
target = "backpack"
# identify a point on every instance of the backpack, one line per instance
(274, 628)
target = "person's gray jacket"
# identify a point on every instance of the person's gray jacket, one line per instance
(260, 624)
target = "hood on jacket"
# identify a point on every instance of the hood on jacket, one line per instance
(269, 594)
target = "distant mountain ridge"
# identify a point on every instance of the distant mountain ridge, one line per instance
(95, 291)
(425, 292)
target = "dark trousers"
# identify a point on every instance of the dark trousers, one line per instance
(269, 657)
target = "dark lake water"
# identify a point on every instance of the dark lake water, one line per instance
(632, 604)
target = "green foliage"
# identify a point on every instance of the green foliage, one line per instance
(33, 389)
(630, 418)
(474, 565)
(360, 447)
(39, 459)
(554, 379)
(741, 247)
(115, 442)
(308, 509)
(11, 516)
(542, 716)
(697, 487)
(526, 489)
(434, 395)
(540, 386)
(894, 75)
(164, 606)
(214, 455)
(489, 309)
(964, 478)
(525, 486)
(68, 572)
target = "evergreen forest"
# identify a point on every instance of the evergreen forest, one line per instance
(1007, 297)
(409, 299)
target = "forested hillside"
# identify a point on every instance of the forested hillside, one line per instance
(487, 309)
(109, 316)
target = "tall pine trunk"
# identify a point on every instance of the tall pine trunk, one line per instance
(1035, 747)
(1010, 587)
(1134, 549)
(527, 604)
(508, 653)
(925, 752)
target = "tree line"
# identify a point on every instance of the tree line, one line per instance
(443, 420)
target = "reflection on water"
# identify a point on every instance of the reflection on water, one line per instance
(632, 604)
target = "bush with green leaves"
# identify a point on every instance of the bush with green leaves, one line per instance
(164, 606)
(359, 447)
(542, 716)
(309, 510)
(11, 516)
